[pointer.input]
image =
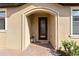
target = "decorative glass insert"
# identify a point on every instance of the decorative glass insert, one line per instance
(42, 28)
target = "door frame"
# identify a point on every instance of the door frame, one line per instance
(43, 41)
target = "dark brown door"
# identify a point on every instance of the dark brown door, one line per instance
(42, 28)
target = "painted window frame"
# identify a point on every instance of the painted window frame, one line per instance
(4, 30)
(71, 34)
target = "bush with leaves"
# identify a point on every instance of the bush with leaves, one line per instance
(70, 48)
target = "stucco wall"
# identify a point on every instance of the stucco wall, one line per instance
(12, 38)
(52, 31)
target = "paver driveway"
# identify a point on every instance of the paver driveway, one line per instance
(34, 49)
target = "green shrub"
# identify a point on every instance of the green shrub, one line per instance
(70, 48)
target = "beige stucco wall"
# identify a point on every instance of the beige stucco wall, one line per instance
(13, 38)
(52, 31)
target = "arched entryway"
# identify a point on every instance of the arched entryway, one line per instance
(40, 24)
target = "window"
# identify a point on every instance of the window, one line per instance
(75, 21)
(2, 20)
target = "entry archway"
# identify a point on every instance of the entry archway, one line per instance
(52, 30)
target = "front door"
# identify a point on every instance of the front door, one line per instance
(42, 29)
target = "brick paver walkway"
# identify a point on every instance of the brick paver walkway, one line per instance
(39, 50)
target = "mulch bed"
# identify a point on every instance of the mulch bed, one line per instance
(61, 53)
